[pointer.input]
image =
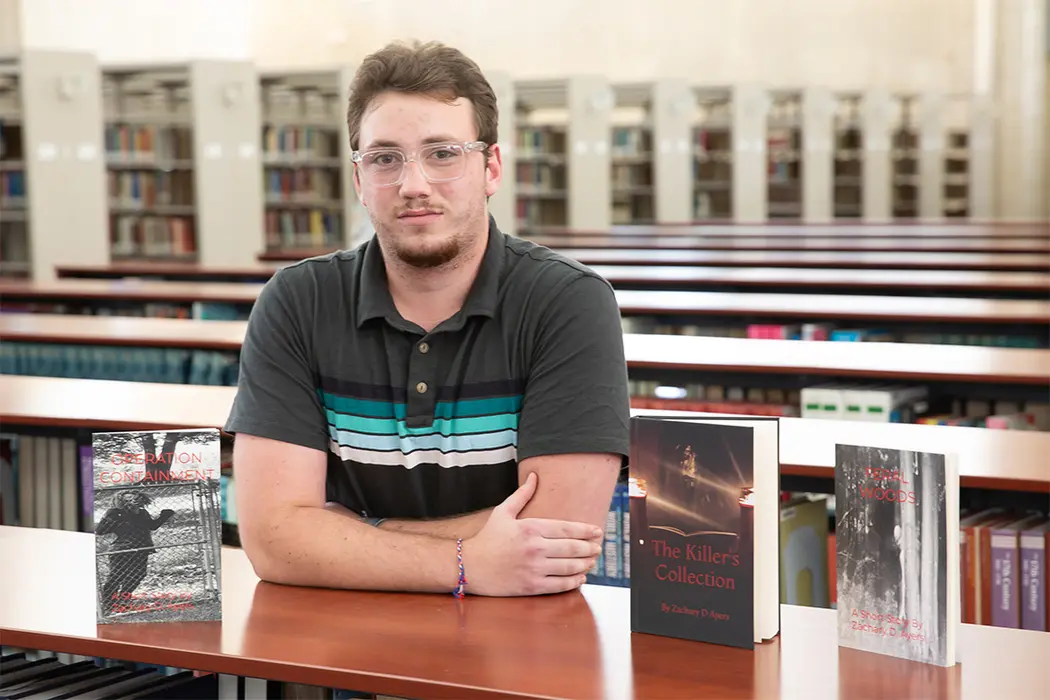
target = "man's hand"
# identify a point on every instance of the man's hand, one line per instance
(511, 557)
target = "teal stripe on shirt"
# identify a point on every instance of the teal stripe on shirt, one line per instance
(440, 426)
(370, 408)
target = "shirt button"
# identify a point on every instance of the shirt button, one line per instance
(423, 347)
(421, 387)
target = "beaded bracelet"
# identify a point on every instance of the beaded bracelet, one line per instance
(462, 583)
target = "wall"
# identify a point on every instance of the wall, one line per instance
(140, 31)
(10, 26)
(901, 44)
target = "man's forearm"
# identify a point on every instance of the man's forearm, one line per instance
(464, 526)
(319, 547)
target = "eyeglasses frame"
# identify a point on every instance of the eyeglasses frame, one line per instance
(411, 157)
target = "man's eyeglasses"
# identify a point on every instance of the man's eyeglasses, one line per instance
(439, 162)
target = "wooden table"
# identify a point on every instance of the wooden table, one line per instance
(1034, 230)
(782, 279)
(575, 645)
(904, 246)
(632, 302)
(889, 361)
(785, 280)
(806, 444)
(809, 259)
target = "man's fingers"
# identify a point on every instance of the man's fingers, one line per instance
(569, 567)
(565, 529)
(571, 549)
(561, 584)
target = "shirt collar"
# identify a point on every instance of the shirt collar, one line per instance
(373, 294)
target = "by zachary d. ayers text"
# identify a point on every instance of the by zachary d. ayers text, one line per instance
(895, 489)
(882, 625)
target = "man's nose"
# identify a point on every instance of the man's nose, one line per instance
(414, 183)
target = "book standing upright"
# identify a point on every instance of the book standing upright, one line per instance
(897, 551)
(157, 525)
(704, 519)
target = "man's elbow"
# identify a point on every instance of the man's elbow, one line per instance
(262, 543)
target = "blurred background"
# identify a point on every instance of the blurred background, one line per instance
(625, 112)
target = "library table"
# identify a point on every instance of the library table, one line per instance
(779, 279)
(1010, 460)
(888, 361)
(631, 302)
(573, 645)
(1033, 230)
(807, 259)
(828, 244)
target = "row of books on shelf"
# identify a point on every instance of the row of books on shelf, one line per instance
(651, 325)
(200, 310)
(135, 189)
(35, 674)
(870, 401)
(149, 235)
(303, 228)
(302, 186)
(300, 141)
(121, 363)
(12, 187)
(147, 144)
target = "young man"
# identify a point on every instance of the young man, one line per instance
(443, 402)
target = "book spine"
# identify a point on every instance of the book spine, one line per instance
(625, 540)
(1033, 588)
(1004, 612)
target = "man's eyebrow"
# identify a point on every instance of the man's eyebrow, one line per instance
(382, 143)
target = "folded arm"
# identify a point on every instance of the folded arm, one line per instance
(291, 537)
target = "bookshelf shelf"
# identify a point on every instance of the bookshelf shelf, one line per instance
(50, 151)
(563, 168)
(632, 154)
(848, 157)
(182, 176)
(14, 220)
(310, 202)
(784, 143)
(713, 155)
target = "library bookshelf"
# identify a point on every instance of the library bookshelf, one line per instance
(182, 160)
(217, 161)
(51, 151)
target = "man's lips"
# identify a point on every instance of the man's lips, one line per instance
(417, 213)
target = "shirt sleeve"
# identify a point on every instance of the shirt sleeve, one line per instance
(576, 393)
(276, 393)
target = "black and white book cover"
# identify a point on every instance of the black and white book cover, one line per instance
(158, 531)
(897, 552)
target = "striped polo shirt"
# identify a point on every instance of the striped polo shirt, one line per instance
(433, 424)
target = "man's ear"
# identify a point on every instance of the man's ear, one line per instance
(357, 186)
(493, 170)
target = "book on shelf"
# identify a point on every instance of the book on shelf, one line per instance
(897, 552)
(157, 525)
(704, 528)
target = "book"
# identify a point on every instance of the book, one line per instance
(897, 552)
(804, 552)
(704, 528)
(157, 525)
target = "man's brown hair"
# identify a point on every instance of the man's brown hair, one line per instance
(424, 68)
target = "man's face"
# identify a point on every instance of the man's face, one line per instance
(426, 224)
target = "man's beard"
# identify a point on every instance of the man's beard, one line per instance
(446, 252)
